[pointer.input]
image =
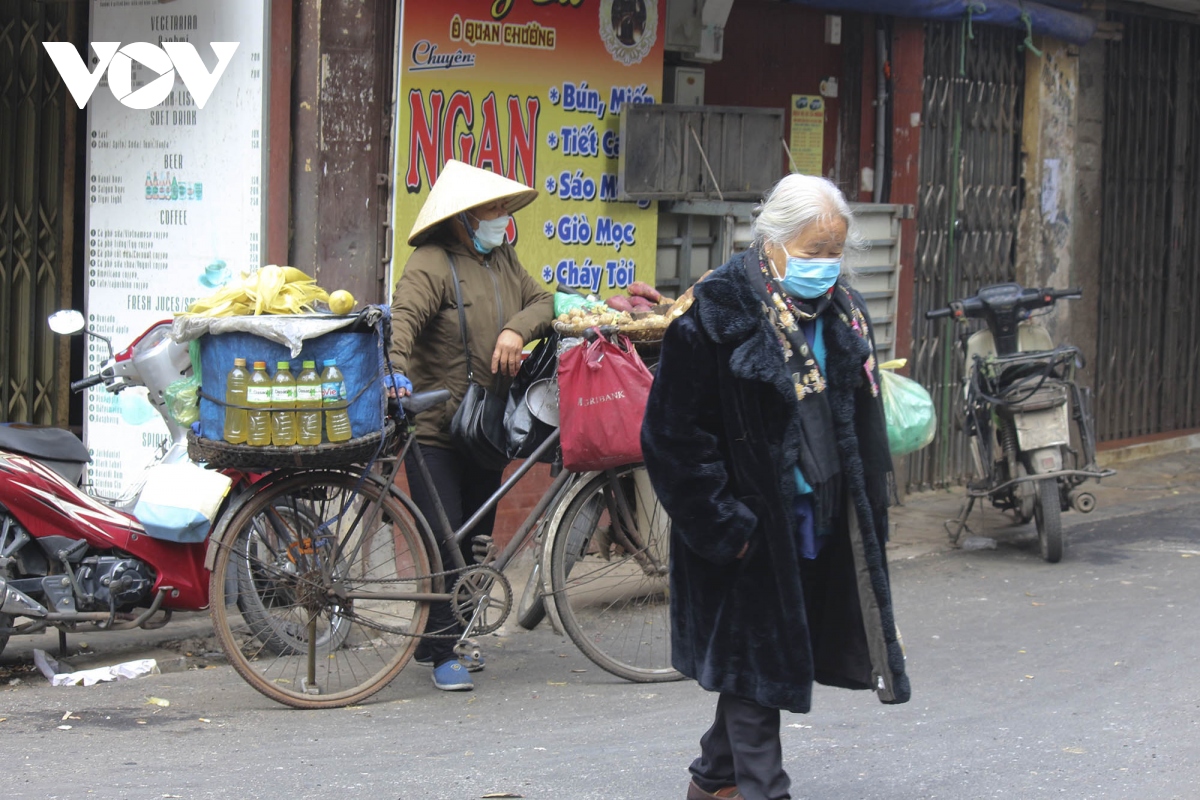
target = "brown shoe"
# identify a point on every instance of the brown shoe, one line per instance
(726, 793)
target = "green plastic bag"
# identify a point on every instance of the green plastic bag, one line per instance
(564, 302)
(182, 396)
(911, 419)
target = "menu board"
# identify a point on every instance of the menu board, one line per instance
(534, 91)
(173, 208)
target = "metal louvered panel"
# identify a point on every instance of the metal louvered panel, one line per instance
(968, 206)
(33, 121)
(1148, 370)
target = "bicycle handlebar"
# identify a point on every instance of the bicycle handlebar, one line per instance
(590, 334)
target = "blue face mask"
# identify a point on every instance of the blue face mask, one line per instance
(808, 278)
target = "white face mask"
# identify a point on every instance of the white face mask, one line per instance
(490, 233)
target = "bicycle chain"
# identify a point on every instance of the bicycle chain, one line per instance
(444, 573)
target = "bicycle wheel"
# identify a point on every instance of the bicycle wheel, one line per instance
(608, 575)
(323, 561)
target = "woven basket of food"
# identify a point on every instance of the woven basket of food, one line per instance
(643, 314)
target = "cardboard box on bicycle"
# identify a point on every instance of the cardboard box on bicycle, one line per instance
(355, 342)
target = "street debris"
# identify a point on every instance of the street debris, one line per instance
(502, 794)
(158, 701)
(978, 543)
(89, 677)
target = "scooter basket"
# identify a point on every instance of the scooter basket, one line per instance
(1026, 395)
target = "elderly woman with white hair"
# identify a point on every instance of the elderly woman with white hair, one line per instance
(766, 442)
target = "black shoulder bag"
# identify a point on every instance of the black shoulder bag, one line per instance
(525, 432)
(477, 428)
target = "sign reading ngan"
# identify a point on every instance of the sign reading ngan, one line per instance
(533, 90)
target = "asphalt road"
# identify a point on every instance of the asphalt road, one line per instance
(1030, 680)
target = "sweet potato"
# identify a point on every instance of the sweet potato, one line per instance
(640, 303)
(640, 289)
(619, 303)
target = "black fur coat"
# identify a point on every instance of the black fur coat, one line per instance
(720, 437)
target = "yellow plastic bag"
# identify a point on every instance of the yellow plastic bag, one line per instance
(269, 290)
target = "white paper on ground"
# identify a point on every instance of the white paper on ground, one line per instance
(89, 677)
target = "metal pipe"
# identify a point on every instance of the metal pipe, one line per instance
(518, 539)
(881, 99)
(1062, 473)
(461, 534)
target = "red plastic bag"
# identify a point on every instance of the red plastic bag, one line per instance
(602, 389)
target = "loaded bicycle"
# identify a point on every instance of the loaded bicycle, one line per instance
(322, 579)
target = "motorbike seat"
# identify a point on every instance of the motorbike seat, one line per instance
(58, 449)
(42, 442)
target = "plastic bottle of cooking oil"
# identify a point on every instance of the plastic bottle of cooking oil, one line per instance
(283, 406)
(308, 404)
(235, 402)
(333, 399)
(258, 397)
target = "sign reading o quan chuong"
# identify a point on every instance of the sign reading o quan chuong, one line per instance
(533, 90)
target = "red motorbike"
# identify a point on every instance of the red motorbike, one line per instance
(71, 561)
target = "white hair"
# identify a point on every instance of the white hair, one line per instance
(798, 201)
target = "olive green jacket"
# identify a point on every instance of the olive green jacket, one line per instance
(427, 345)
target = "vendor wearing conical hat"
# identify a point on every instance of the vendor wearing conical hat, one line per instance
(463, 222)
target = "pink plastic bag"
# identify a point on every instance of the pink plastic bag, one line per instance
(603, 389)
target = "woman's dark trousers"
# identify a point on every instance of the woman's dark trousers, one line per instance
(742, 747)
(463, 487)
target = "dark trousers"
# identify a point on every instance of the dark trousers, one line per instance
(742, 747)
(462, 487)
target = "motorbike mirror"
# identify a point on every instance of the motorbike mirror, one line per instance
(67, 322)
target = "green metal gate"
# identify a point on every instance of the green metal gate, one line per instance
(37, 155)
(1148, 370)
(968, 206)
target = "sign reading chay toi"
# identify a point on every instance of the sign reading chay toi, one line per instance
(165, 61)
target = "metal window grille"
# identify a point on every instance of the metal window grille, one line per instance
(34, 122)
(968, 206)
(1148, 347)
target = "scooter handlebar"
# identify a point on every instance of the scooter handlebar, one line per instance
(937, 313)
(79, 386)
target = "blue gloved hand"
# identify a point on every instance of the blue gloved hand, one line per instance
(395, 382)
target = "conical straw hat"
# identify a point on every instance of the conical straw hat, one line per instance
(460, 187)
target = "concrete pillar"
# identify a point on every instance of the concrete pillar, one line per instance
(341, 139)
(1089, 203)
(1046, 232)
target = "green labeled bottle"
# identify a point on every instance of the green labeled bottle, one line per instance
(236, 420)
(333, 399)
(308, 404)
(283, 406)
(258, 397)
